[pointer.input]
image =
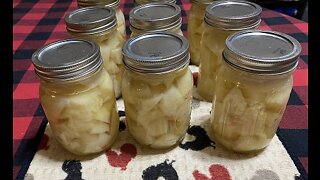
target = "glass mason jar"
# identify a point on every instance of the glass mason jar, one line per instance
(196, 28)
(222, 18)
(115, 4)
(157, 88)
(99, 24)
(139, 2)
(155, 17)
(253, 87)
(77, 95)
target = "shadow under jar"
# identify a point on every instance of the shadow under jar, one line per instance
(253, 88)
(222, 18)
(157, 88)
(196, 27)
(114, 4)
(100, 25)
(77, 95)
(155, 17)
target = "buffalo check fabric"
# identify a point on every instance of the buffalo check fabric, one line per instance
(39, 22)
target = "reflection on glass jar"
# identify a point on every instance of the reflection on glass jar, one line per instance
(253, 87)
(196, 28)
(155, 17)
(77, 95)
(222, 18)
(157, 89)
(99, 24)
(114, 4)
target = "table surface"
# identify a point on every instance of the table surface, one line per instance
(39, 22)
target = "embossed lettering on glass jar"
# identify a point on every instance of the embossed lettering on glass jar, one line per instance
(139, 2)
(157, 88)
(222, 18)
(155, 17)
(77, 95)
(115, 4)
(99, 24)
(196, 27)
(253, 88)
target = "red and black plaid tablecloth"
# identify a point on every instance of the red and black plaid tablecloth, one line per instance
(39, 22)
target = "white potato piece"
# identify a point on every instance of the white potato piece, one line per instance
(91, 143)
(63, 133)
(278, 100)
(154, 109)
(211, 49)
(92, 126)
(112, 69)
(120, 21)
(139, 132)
(150, 103)
(106, 87)
(105, 51)
(272, 123)
(246, 143)
(140, 89)
(170, 101)
(53, 107)
(111, 52)
(98, 127)
(87, 111)
(117, 54)
(247, 109)
(180, 32)
(77, 107)
(131, 111)
(148, 117)
(184, 82)
(184, 110)
(195, 30)
(235, 102)
(158, 126)
(165, 141)
(117, 84)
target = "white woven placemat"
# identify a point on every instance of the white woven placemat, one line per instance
(197, 157)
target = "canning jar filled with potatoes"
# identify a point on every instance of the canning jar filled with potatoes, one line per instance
(157, 88)
(222, 18)
(114, 4)
(196, 28)
(77, 95)
(253, 88)
(100, 25)
(155, 17)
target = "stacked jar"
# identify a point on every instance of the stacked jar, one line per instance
(115, 4)
(222, 18)
(157, 88)
(100, 25)
(139, 2)
(155, 17)
(252, 88)
(196, 28)
(77, 95)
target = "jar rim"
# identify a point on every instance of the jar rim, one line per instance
(115, 4)
(233, 15)
(262, 51)
(91, 20)
(155, 16)
(153, 1)
(62, 61)
(156, 52)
